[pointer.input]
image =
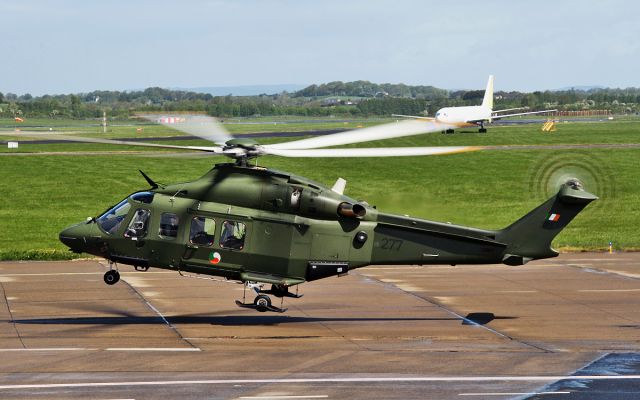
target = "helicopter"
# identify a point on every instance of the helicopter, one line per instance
(272, 230)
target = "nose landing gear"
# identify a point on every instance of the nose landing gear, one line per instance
(111, 277)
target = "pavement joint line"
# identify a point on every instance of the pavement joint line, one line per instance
(154, 309)
(511, 394)
(462, 318)
(152, 349)
(586, 267)
(408, 379)
(13, 322)
(276, 397)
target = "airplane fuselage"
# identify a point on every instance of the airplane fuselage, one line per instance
(463, 116)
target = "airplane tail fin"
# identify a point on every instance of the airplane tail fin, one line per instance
(487, 101)
(530, 237)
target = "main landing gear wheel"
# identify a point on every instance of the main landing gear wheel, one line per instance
(262, 302)
(111, 277)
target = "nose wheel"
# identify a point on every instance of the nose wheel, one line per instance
(111, 277)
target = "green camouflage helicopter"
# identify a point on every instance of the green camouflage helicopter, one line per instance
(259, 226)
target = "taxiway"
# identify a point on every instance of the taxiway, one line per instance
(561, 328)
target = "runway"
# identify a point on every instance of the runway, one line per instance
(561, 328)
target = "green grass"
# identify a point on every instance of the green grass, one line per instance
(138, 128)
(490, 189)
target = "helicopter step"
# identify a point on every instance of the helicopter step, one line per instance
(281, 291)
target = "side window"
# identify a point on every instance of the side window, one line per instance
(138, 226)
(202, 231)
(294, 199)
(233, 234)
(168, 225)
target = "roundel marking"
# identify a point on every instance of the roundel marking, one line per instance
(214, 257)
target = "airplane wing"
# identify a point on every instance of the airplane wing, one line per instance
(413, 116)
(524, 113)
(509, 109)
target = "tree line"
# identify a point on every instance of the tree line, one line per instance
(359, 98)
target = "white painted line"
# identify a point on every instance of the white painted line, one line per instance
(609, 290)
(391, 268)
(50, 349)
(409, 379)
(320, 396)
(516, 291)
(511, 394)
(84, 273)
(152, 349)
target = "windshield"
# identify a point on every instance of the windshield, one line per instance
(111, 220)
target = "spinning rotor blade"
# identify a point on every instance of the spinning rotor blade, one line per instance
(55, 136)
(202, 126)
(385, 131)
(373, 152)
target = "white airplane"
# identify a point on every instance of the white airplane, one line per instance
(473, 115)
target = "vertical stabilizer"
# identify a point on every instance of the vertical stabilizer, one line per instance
(487, 101)
(530, 237)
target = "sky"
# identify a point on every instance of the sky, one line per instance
(76, 46)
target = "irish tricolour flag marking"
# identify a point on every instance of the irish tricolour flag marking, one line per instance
(554, 217)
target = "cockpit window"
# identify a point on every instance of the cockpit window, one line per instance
(294, 199)
(111, 220)
(138, 226)
(232, 236)
(143, 197)
(168, 225)
(202, 231)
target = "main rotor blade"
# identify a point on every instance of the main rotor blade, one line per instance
(82, 139)
(374, 151)
(202, 126)
(385, 131)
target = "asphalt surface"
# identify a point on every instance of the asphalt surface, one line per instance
(566, 328)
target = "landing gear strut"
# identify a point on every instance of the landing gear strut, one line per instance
(112, 276)
(482, 128)
(262, 302)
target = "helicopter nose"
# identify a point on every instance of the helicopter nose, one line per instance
(75, 236)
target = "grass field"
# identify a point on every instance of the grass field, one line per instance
(142, 128)
(488, 189)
